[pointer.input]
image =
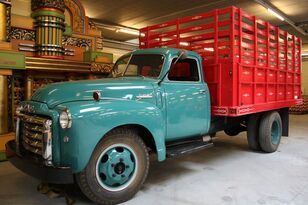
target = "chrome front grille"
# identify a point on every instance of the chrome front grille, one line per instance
(34, 134)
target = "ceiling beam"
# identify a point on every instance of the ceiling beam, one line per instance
(301, 24)
(113, 27)
(268, 5)
(119, 45)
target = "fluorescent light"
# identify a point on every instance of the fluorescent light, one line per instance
(275, 14)
(128, 31)
(184, 44)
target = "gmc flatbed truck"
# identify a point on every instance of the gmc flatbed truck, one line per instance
(169, 101)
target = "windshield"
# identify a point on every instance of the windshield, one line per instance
(119, 67)
(146, 65)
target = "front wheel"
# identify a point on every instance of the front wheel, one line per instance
(117, 168)
(270, 131)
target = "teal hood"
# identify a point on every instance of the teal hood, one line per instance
(120, 88)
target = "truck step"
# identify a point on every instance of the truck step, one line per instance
(187, 148)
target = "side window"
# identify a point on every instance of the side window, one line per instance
(184, 70)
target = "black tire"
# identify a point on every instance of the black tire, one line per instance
(213, 135)
(231, 132)
(92, 184)
(270, 131)
(253, 132)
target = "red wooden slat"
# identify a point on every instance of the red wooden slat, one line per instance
(196, 28)
(163, 35)
(270, 56)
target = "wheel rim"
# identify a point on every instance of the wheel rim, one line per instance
(275, 133)
(116, 167)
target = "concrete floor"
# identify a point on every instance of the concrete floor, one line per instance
(227, 174)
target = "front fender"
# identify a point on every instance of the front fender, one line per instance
(92, 120)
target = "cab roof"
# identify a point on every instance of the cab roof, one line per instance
(164, 51)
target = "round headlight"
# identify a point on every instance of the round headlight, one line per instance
(65, 119)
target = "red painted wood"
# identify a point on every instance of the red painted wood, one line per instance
(249, 65)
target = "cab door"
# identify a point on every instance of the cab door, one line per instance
(186, 101)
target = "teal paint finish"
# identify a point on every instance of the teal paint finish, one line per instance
(123, 88)
(172, 110)
(187, 105)
(187, 114)
(92, 120)
(116, 167)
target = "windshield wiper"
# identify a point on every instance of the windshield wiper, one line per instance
(139, 75)
(181, 55)
(126, 67)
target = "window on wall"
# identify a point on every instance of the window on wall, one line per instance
(184, 70)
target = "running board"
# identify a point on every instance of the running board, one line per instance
(187, 148)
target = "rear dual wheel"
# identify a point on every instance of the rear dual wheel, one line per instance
(264, 132)
(270, 131)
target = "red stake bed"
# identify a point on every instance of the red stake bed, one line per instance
(249, 65)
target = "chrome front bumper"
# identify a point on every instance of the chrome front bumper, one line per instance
(35, 166)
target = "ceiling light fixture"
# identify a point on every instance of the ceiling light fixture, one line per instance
(128, 31)
(275, 14)
(305, 54)
(267, 5)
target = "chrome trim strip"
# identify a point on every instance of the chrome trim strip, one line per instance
(32, 119)
(17, 133)
(35, 144)
(47, 142)
(36, 135)
(145, 96)
(32, 149)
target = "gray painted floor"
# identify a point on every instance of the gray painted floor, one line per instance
(227, 174)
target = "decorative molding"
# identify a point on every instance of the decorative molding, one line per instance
(29, 35)
(99, 43)
(8, 18)
(57, 4)
(78, 15)
(101, 67)
(7, 2)
(77, 42)
(92, 25)
(21, 34)
(10, 99)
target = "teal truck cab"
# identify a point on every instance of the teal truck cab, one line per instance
(100, 132)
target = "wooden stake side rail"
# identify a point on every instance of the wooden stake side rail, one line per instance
(247, 57)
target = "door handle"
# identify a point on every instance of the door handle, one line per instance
(202, 91)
